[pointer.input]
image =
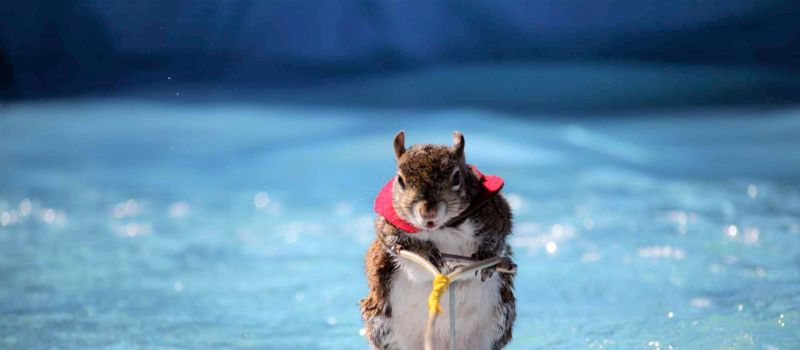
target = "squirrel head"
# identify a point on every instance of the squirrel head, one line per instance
(433, 183)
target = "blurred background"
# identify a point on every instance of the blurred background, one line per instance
(200, 174)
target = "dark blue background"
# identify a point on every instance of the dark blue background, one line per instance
(62, 47)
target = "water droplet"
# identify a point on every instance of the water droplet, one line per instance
(760, 272)
(132, 229)
(49, 216)
(751, 236)
(752, 190)
(178, 210)
(261, 199)
(557, 230)
(25, 207)
(700, 302)
(178, 285)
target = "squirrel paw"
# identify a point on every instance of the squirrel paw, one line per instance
(392, 245)
(505, 264)
(435, 257)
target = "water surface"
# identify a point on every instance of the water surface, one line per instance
(131, 224)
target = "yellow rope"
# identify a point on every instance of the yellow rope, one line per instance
(440, 283)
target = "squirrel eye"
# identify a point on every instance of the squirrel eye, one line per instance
(401, 182)
(456, 180)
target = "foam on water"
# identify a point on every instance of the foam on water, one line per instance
(129, 224)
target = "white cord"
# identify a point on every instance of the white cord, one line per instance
(452, 318)
(452, 277)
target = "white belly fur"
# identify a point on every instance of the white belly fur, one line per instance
(477, 323)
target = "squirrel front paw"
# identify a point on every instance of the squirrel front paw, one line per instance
(505, 264)
(392, 244)
(435, 257)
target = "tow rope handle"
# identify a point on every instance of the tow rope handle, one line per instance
(441, 283)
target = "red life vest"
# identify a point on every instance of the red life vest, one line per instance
(383, 203)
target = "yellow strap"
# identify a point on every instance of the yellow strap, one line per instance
(440, 283)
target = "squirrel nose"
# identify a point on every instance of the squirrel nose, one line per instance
(427, 212)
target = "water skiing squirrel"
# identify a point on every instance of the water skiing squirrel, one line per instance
(438, 206)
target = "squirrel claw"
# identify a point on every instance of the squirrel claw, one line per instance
(487, 273)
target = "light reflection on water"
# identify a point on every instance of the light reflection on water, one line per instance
(239, 226)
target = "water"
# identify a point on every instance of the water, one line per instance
(131, 224)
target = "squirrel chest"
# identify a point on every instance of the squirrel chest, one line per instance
(476, 312)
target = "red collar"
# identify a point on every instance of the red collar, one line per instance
(383, 203)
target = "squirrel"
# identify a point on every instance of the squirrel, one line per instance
(438, 207)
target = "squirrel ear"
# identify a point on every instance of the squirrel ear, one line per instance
(458, 143)
(399, 144)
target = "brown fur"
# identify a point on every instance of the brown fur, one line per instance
(427, 171)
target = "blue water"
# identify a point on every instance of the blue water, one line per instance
(131, 224)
